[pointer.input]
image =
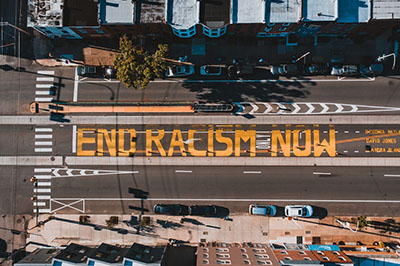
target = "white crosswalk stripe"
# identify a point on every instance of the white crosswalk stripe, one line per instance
(44, 80)
(43, 149)
(43, 99)
(43, 139)
(42, 92)
(41, 129)
(46, 72)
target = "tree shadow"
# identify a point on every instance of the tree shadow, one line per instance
(168, 224)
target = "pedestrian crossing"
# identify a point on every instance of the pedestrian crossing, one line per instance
(42, 190)
(43, 92)
(43, 139)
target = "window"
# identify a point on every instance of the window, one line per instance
(302, 253)
(342, 258)
(91, 263)
(288, 258)
(284, 252)
(205, 261)
(259, 250)
(264, 262)
(222, 250)
(262, 256)
(307, 258)
(83, 31)
(205, 255)
(205, 249)
(243, 250)
(282, 28)
(247, 262)
(223, 255)
(245, 256)
(320, 252)
(325, 258)
(286, 24)
(225, 262)
(270, 24)
(336, 253)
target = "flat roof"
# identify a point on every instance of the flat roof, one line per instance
(320, 10)
(354, 11)
(283, 11)
(182, 14)
(151, 11)
(215, 14)
(248, 11)
(116, 12)
(45, 13)
(386, 9)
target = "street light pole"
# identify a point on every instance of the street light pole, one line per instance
(381, 58)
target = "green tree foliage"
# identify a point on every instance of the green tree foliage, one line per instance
(135, 67)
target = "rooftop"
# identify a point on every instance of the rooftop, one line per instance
(144, 253)
(75, 253)
(320, 10)
(354, 11)
(44, 13)
(215, 14)
(116, 12)
(109, 253)
(248, 11)
(283, 11)
(150, 11)
(182, 14)
(41, 256)
(386, 9)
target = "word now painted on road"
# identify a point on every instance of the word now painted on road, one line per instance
(227, 141)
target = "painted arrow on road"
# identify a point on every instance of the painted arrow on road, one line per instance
(87, 172)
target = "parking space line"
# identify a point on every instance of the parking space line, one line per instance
(43, 149)
(183, 171)
(251, 172)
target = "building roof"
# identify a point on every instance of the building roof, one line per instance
(41, 256)
(75, 253)
(116, 12)
(215, 14)
(109, 253)
(150, 11)
(180, 256)
(248, 11)
(386, 9)
(183, 14)
(144, 253)
(283, 11)
(337, 257)
(353, 11)
(320, 10)
(42, 13)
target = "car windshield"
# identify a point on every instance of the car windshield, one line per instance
(209, 69)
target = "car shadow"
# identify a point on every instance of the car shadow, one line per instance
(319, 212)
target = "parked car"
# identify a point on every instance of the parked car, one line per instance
(373, 69)
(209, 70)
(179, 71)
(298, 210)
(87, 71)
(269, 210)
(320, 69)
(203, 210)
(171, 209)
(108, 72)
(346, 70)
(282, 70)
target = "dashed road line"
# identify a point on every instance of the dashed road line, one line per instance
(391, 175)
(43, 149)
(183, 171)
(251, 172)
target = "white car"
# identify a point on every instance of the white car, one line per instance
(298, 210)
(179, 71)
(347, 70)
(208, 70)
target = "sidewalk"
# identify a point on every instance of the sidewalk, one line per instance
(65, 229)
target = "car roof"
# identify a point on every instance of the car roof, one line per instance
(257, 209)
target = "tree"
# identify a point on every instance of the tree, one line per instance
(135, 67)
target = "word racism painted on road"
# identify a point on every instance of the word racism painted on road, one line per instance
(212, 141)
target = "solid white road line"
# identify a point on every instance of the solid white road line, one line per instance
(43, 136)
(43, 149)
(239, 200)
(44, 184)
(43, 129)
(44, 86)
(46, 72)
(43, 99)
(183, 171)
(43, 210)
(76, 81)
(390, 175)
(43, 197)
(42, 170)
(261, 81)
(321, 173)
(44, 78)
(39, 204)
(43, 143)
(251, 172)
(42, 92)
(43, 176)
(74, 139)
(41, 190)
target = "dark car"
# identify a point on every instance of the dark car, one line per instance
(203, 210)
(88, 71)
(317, 70)
(171, 209)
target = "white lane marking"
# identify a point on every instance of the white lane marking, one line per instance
(239, 200)
(42, 210)
(76, 81)
(43, 129)
(325, 132)
(44, 184)
(391, 175)
(43, 149)
(42, 92)
(43, 143)
(74, 139)
(251, 172)
(43, 197)
(43, 136)
(357, 131)
(269, 108)
(43, 99)
(44, 86)
(345, 151)
(88, 172)
(183, 171)
(39, 204)
(346, 131)
(296, 108)
(42, 170)
(255, 108)
(339, 108)
(325, 108)
(46, 72)
(311, 108)
(41, 190)
(44, 78)
(43, 176)
(321, 173)
(356, 151)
